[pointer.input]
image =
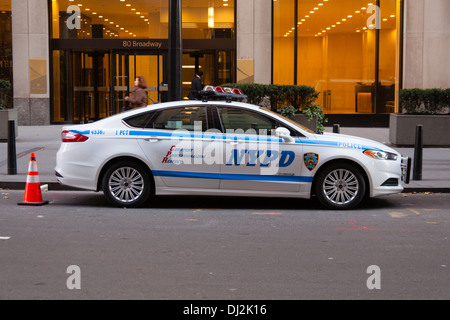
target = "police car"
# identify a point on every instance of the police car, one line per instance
(224, 148)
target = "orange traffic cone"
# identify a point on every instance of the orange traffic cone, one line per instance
(33, 194)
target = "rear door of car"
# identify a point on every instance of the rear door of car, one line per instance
(174, 144)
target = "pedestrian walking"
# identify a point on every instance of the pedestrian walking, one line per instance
(196, 86)
(139, 97)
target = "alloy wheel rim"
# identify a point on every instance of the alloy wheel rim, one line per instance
(341, 186)
(126, 184)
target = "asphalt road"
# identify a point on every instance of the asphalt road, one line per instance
(224, 249)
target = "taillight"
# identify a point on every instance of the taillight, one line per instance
(70, 136)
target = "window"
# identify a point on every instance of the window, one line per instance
(244, 121)
(6, 63)
(339, 52)
(188, 118)
(141, 120)
(204, 19)
(149, 19)
(104, 19)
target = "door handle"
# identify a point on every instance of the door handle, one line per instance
(152, 140)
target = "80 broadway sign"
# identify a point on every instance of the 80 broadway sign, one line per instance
(142, 44)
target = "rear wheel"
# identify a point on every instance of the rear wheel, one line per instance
(340, 186)
(127, 184)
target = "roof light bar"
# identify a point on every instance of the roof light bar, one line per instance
(214, 92)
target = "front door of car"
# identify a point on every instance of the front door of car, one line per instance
(174, 144)
(255, 158)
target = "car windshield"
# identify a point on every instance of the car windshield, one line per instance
(289, 120)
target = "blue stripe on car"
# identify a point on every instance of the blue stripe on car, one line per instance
(224, 176)
(238, 138)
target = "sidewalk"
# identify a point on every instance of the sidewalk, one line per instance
(45, 142)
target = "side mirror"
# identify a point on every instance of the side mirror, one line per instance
(285, 134)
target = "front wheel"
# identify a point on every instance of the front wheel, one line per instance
(127, 184)
(340, 186)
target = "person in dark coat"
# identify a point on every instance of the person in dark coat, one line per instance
(139, 97)
(196, 86)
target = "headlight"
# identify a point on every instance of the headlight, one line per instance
(380, 155)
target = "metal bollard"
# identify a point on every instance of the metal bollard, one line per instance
(418, 154)
(336, 128)
(12, 157)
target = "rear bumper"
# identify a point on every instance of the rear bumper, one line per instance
(74, 171)
(75, 182)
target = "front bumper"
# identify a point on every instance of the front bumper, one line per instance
(406, 169)
(389, 177)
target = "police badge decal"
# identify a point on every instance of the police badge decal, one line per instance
(311, 160)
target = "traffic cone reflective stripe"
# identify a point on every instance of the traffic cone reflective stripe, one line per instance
(33, 194)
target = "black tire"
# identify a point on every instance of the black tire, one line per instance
(340, 186)
(127, 184)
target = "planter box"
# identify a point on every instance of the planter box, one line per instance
(303, 120)
(436, 129)
(5, 116)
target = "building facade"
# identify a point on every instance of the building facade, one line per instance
(74, 61)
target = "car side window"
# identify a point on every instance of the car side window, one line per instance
(186, 118)
(234, 119)
(140, 120)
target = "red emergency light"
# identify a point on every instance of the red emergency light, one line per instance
(217, 93)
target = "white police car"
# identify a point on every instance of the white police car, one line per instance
(224, 148)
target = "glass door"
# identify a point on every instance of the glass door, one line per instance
(150, 66)
(126, 66)
(90, 83)
(121, 83)
(217, 66)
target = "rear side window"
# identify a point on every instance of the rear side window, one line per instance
(185, 118)
(141, 120)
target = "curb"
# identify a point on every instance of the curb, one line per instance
(56, 186)
(52, 186)
(422, 189)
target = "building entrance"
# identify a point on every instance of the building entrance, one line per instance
(98, 82)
